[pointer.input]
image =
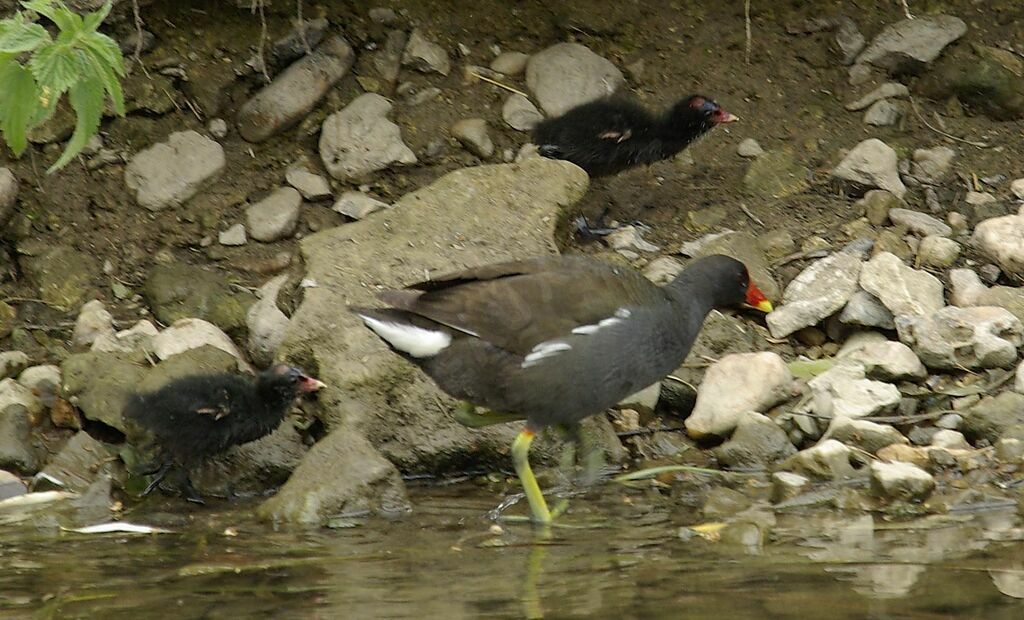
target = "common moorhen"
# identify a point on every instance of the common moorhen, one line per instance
(607, 136)
(554, 339)
(199, 416)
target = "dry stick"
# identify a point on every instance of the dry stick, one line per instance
(757, 221)
(258, 5)
(917, 113)
(906, 9)
(137, 54)
(499, 84)
(301, 26)
(746, 24)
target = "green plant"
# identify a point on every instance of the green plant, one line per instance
(36, 70)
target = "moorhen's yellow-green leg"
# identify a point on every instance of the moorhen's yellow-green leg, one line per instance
(466, 415)
(521, 460)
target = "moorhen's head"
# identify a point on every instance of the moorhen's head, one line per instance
(696, 114)
(285, 383)
(730, 282)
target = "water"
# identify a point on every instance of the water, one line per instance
(617, 555)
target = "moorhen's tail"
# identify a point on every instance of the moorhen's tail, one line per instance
(413, 336)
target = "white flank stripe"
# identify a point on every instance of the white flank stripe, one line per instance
(592, 329)
(415, 341)
(543, 351)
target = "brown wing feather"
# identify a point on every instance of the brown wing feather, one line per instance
(518, 305)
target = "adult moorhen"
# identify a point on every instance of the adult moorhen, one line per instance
(607, 136)
(554, 339)
(199, 416)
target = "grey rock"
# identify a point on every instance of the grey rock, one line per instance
(253, 468)
(859, 74)
(887, 360)
(749, 148)
(908, 45)
(938, 252)
(952, 337)
(8, 194)
(178, 291)
(662, 270)
(994, 416)
(8, 315)
(386, 63)
(566, 75)
(472, 133)
(80, 463)
(951, 421)
(1008, 450)
(383, 15)
(863, 434)
(43, 380)
(883, 113)
(510, 63)
(304, 35)
(423, 95)
(93, 321)
(63, 274)
(1017, 188)
(520, 113)
(889, 90)
(629, 238)
(11, 485)
(819, 291)
(136, 339)
(849, 40)
(829, 460)
(168, 173)
(950, 440)
(903, 290)
(186, 334)
(920, 223)
(933, 165)
(775, 174)
(19, 407)
(296, 91)
(844, 390)
(871, 164)
(12, 363)
(233, 236)
(1002, 240)
(370, 484)
(1018, 383)
(276, 216)
(358, 205)
(981, 84)
(471, 216)
(311, 186)
(735, 385)
(901, 481)
(966, 287)
(360, 140)
(266, 323)
(787, 485)
(98, 384)
(876, 205)
(757, 442)
(425, 55)
(865, 309)
(218, 128)
(724, 502)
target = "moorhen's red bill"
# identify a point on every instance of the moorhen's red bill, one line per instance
(607, 136)
(554, 339)
(199, 416)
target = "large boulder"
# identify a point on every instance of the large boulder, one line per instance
(566, 75)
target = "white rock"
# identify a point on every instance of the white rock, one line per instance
(645, 400)
(472, 133)
(872, 163)
(903, 290)
(520, 113)
(93, 321)
(425, 55)
(910, 44)
(276, 216)
(566, 75)
(266, 322)
(1017, 187)
(1018, 383)
(8, 194)
(629, 238)
(749, 148)
(938, 252)
(932, 165)
(234, 235)
(843, 390)
(138, 337)
(888, 360)
(965, 287)
(885, 91)
(900, 480)
(186, 334)
(819, 291)
(979, 198)
(662, 270)
(787, 485)
(920, 223)
(864, 434)
(734, 385)
(168, 173)
(829, 459)
(1002, 240)
(43, 380)
(954, 338)
(360, 140)
(218, 127)
(883, 113)
(950, 440)
(865, 309)
(510, 63)
(12, 363)
(311, 186)
(18, 400)
(358, 205)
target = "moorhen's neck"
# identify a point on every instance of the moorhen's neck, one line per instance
(274, 399)
(679, 127)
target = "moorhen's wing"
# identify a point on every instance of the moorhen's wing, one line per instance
(518, 305)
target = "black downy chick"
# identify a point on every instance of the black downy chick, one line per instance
(607, 136)
(199, 416)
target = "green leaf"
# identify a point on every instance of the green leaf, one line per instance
(107, 49)
(93, 20)
(19, 102)
(86, 98)
(65, 19)
(23, 38)
(108, 79)
(55, 68)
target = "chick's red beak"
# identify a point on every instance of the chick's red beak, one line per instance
(756, 299)
(308, 385)
(721, 116)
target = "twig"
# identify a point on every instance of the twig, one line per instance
(906, 9)
(34, 301)
(801, 255)
(257, 5)
(499, 84)
(137, 54)
(300, 24)
(757, 220)
(917, 113)
(746, 24)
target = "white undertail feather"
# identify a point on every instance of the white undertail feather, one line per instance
(416, 341)
(543, 351)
